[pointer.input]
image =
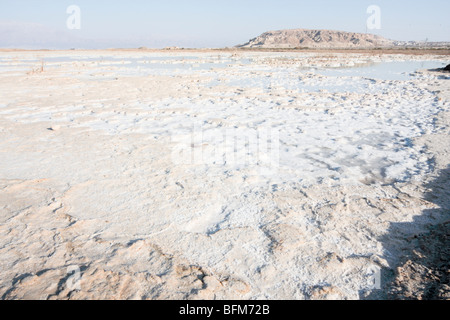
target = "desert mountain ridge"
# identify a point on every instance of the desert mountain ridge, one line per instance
(327, 39)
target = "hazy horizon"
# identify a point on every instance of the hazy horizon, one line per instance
(203, 24)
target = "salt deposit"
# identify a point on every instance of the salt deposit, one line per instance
(165, 175)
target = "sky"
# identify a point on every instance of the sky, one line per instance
(208, 23)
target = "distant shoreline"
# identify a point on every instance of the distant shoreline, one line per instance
(410, 51)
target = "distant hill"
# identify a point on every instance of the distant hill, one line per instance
(304, 38)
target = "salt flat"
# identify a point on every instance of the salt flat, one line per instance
(226, 175)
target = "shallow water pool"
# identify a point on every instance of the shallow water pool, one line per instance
(393, 70)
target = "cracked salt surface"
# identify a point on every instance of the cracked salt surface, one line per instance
(355, 133)
(137, 157)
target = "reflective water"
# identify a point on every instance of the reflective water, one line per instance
(248, 74)
(394, 70)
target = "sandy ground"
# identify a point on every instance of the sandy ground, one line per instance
(102, 196)
(425, 258)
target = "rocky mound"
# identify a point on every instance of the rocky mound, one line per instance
(303, 38)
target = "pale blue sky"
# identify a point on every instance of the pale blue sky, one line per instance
(209, 23)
